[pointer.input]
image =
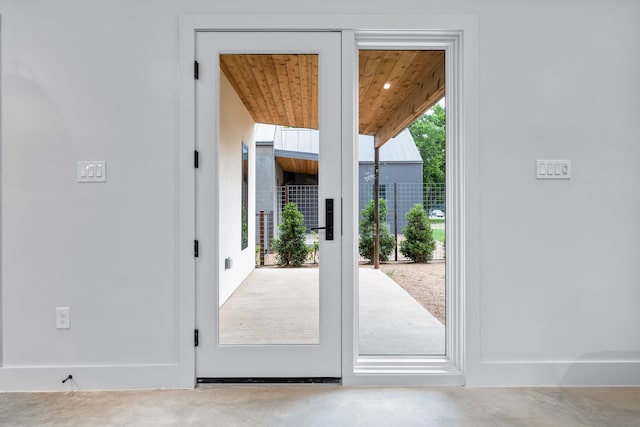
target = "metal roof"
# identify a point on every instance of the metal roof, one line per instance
(401, 149)
(295, 139)
(265, 133)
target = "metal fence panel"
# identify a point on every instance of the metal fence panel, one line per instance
(400, 198)
(306, 199)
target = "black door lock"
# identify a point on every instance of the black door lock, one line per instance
(328, 211)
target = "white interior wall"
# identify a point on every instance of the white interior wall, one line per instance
(555, 299)
(236, 127)
(558, 283)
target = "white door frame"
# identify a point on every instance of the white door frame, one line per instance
(462, 175)
(447, 369)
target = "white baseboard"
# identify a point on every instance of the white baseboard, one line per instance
(554, 373)
(95, 377)
(485, 374)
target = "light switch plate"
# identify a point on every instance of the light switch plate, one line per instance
(92, 171)
(553, 169)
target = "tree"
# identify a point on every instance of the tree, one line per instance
(419, 243)
(290, 245)
(428, 132)
(387, 241)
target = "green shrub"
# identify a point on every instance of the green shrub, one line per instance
(290, 245)
(258, 254)
(418, 244)
(314, 248)
(387, 241)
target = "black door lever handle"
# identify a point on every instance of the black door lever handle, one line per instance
(328, 210)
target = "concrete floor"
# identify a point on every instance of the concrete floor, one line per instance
(327, 405)
(280, 306)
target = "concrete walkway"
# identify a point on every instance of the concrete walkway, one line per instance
(273, 306)
(280, 306)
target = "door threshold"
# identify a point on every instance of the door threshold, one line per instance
(276, 380)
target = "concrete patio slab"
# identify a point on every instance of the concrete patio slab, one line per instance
(280, 306)
(273, 306)
(392, 322)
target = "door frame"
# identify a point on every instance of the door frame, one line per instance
(388, 31)
(437, 369)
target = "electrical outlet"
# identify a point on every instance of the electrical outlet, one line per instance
(63, 321)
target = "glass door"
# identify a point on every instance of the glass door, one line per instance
(268, 190)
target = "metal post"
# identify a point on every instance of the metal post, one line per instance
(395, 214)
(262, 239)
(376, 208)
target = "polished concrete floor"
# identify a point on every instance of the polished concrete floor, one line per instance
(280, 306)
(327, 405)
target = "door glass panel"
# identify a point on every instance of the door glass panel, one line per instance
(270, 294)
(401, 308)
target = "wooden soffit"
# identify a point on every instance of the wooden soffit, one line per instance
(416, 82)
(276, 89)
(283, 89)
(304, 166)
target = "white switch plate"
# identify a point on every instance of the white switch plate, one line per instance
(92, 171)
(553, 169)
(63, 321)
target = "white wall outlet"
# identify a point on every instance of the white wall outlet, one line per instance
(553, 169)
(63, 321)
(95, 171)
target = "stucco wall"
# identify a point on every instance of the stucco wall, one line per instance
(236, 127)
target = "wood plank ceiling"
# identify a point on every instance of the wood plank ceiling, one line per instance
(283, 89)
(276, 89)
(416, 82)
(303, 166)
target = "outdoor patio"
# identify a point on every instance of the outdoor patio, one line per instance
(280, 306)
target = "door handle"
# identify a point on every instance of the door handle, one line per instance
(328, 211)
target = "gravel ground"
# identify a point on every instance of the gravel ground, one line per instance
(424, 282)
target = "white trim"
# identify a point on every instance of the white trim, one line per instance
(186, 216)
(399, 370)
(449, 369)
(92, 377)
(590, 373)
(349, 199)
